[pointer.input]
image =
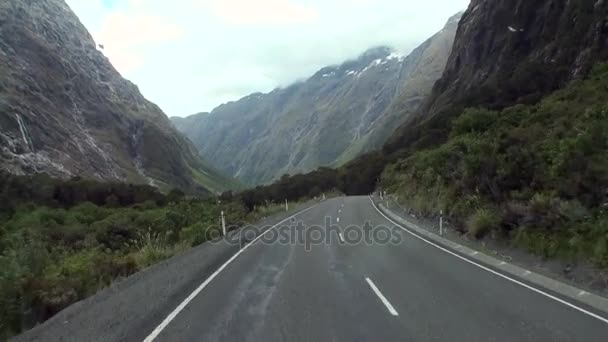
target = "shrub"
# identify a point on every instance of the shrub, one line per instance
(152, 248)
(482, 222)
(61, 241)
(115, 232)
(600, 251)
(198, 233)
(87, 213)
(477, 120)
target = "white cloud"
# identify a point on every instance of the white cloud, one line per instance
(123, 34)
(191, 55)
(261, 12)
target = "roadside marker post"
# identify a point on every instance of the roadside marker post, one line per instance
(441, 222)
(286, 205)
(223, 223)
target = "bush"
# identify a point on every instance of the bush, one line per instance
(61, 241)
(477, 120)
(482, 222)
(87, 213)
(152, 248)
(115, 232)
(541, 168)
(198, 233)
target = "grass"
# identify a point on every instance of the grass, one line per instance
(270, 209)
(482, 222)
(154, 247)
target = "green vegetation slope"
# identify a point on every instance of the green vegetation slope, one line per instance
(62, 241)
(534, 174)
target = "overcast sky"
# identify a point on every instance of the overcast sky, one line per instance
(190, 56)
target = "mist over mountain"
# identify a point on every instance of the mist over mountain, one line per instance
(337, 114)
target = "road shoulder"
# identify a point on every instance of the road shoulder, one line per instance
(596, 304)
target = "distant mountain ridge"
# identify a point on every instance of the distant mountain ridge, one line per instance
(337, 114)
(65, 111)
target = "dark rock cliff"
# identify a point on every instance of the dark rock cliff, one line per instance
(508, 52)
(65, 111)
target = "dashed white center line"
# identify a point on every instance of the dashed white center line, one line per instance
(386, 303)
(337, 219)
(341, 237)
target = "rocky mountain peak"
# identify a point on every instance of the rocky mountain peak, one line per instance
(379, 57)
(376, 52)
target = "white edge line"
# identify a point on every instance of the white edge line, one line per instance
(198, 290)
(587, 312)
(386, 303)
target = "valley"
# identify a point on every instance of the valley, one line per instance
(119, 223)
(334, 116)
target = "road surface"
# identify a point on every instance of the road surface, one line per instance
(404, 290)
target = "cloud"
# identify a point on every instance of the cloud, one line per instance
(262, 12)
(191, 55)
(124, 34)
(108, 3)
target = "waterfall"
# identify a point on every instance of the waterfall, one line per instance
(25, 134)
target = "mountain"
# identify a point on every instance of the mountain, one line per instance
(65, 111)
(335, 115)
(506, 53)
(511, 145)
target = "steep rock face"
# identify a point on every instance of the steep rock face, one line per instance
(65, 111)
(424, 66)
(335, 115)
(509, 52)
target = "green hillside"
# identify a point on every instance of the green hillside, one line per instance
(537, 174)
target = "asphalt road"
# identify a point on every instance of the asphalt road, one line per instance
(344, 289)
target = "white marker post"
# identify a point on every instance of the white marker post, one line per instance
(223, 224)
(286, 205)
(441, 222)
